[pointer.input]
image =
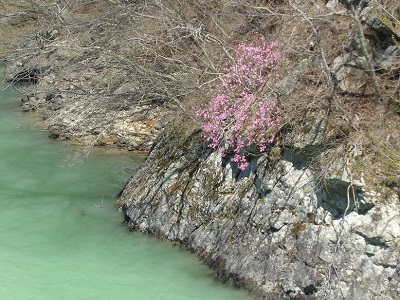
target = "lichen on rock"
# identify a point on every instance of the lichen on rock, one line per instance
(265, 229)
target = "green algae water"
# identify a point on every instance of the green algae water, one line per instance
(61, 237)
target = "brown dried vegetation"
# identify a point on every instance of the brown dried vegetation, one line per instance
(170, 54)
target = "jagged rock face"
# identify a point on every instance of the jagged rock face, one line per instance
(266, 228)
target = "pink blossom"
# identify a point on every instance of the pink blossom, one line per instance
(239, 116)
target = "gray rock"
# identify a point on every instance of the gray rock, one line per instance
(289, 82)
(386, 61)
(349, 73)
(360, 3)
(374, 23)
(12, 69)
(265, 229)
(332, 4)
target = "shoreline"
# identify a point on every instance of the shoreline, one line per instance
(283, 228)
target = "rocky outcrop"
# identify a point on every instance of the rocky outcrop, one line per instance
(273, 228)
(74, 108)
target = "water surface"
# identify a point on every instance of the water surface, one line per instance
(61, 237)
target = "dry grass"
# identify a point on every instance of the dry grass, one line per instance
(16, 20)
(170, 53)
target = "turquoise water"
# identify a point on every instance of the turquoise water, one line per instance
(61, 237)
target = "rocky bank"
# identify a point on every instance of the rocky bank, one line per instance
(281, 228)
(71, 109)
(272, 228)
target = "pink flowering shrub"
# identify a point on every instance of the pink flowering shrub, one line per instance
(240, 116)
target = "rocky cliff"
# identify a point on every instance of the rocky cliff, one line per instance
(305, 220)
(273, 228)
